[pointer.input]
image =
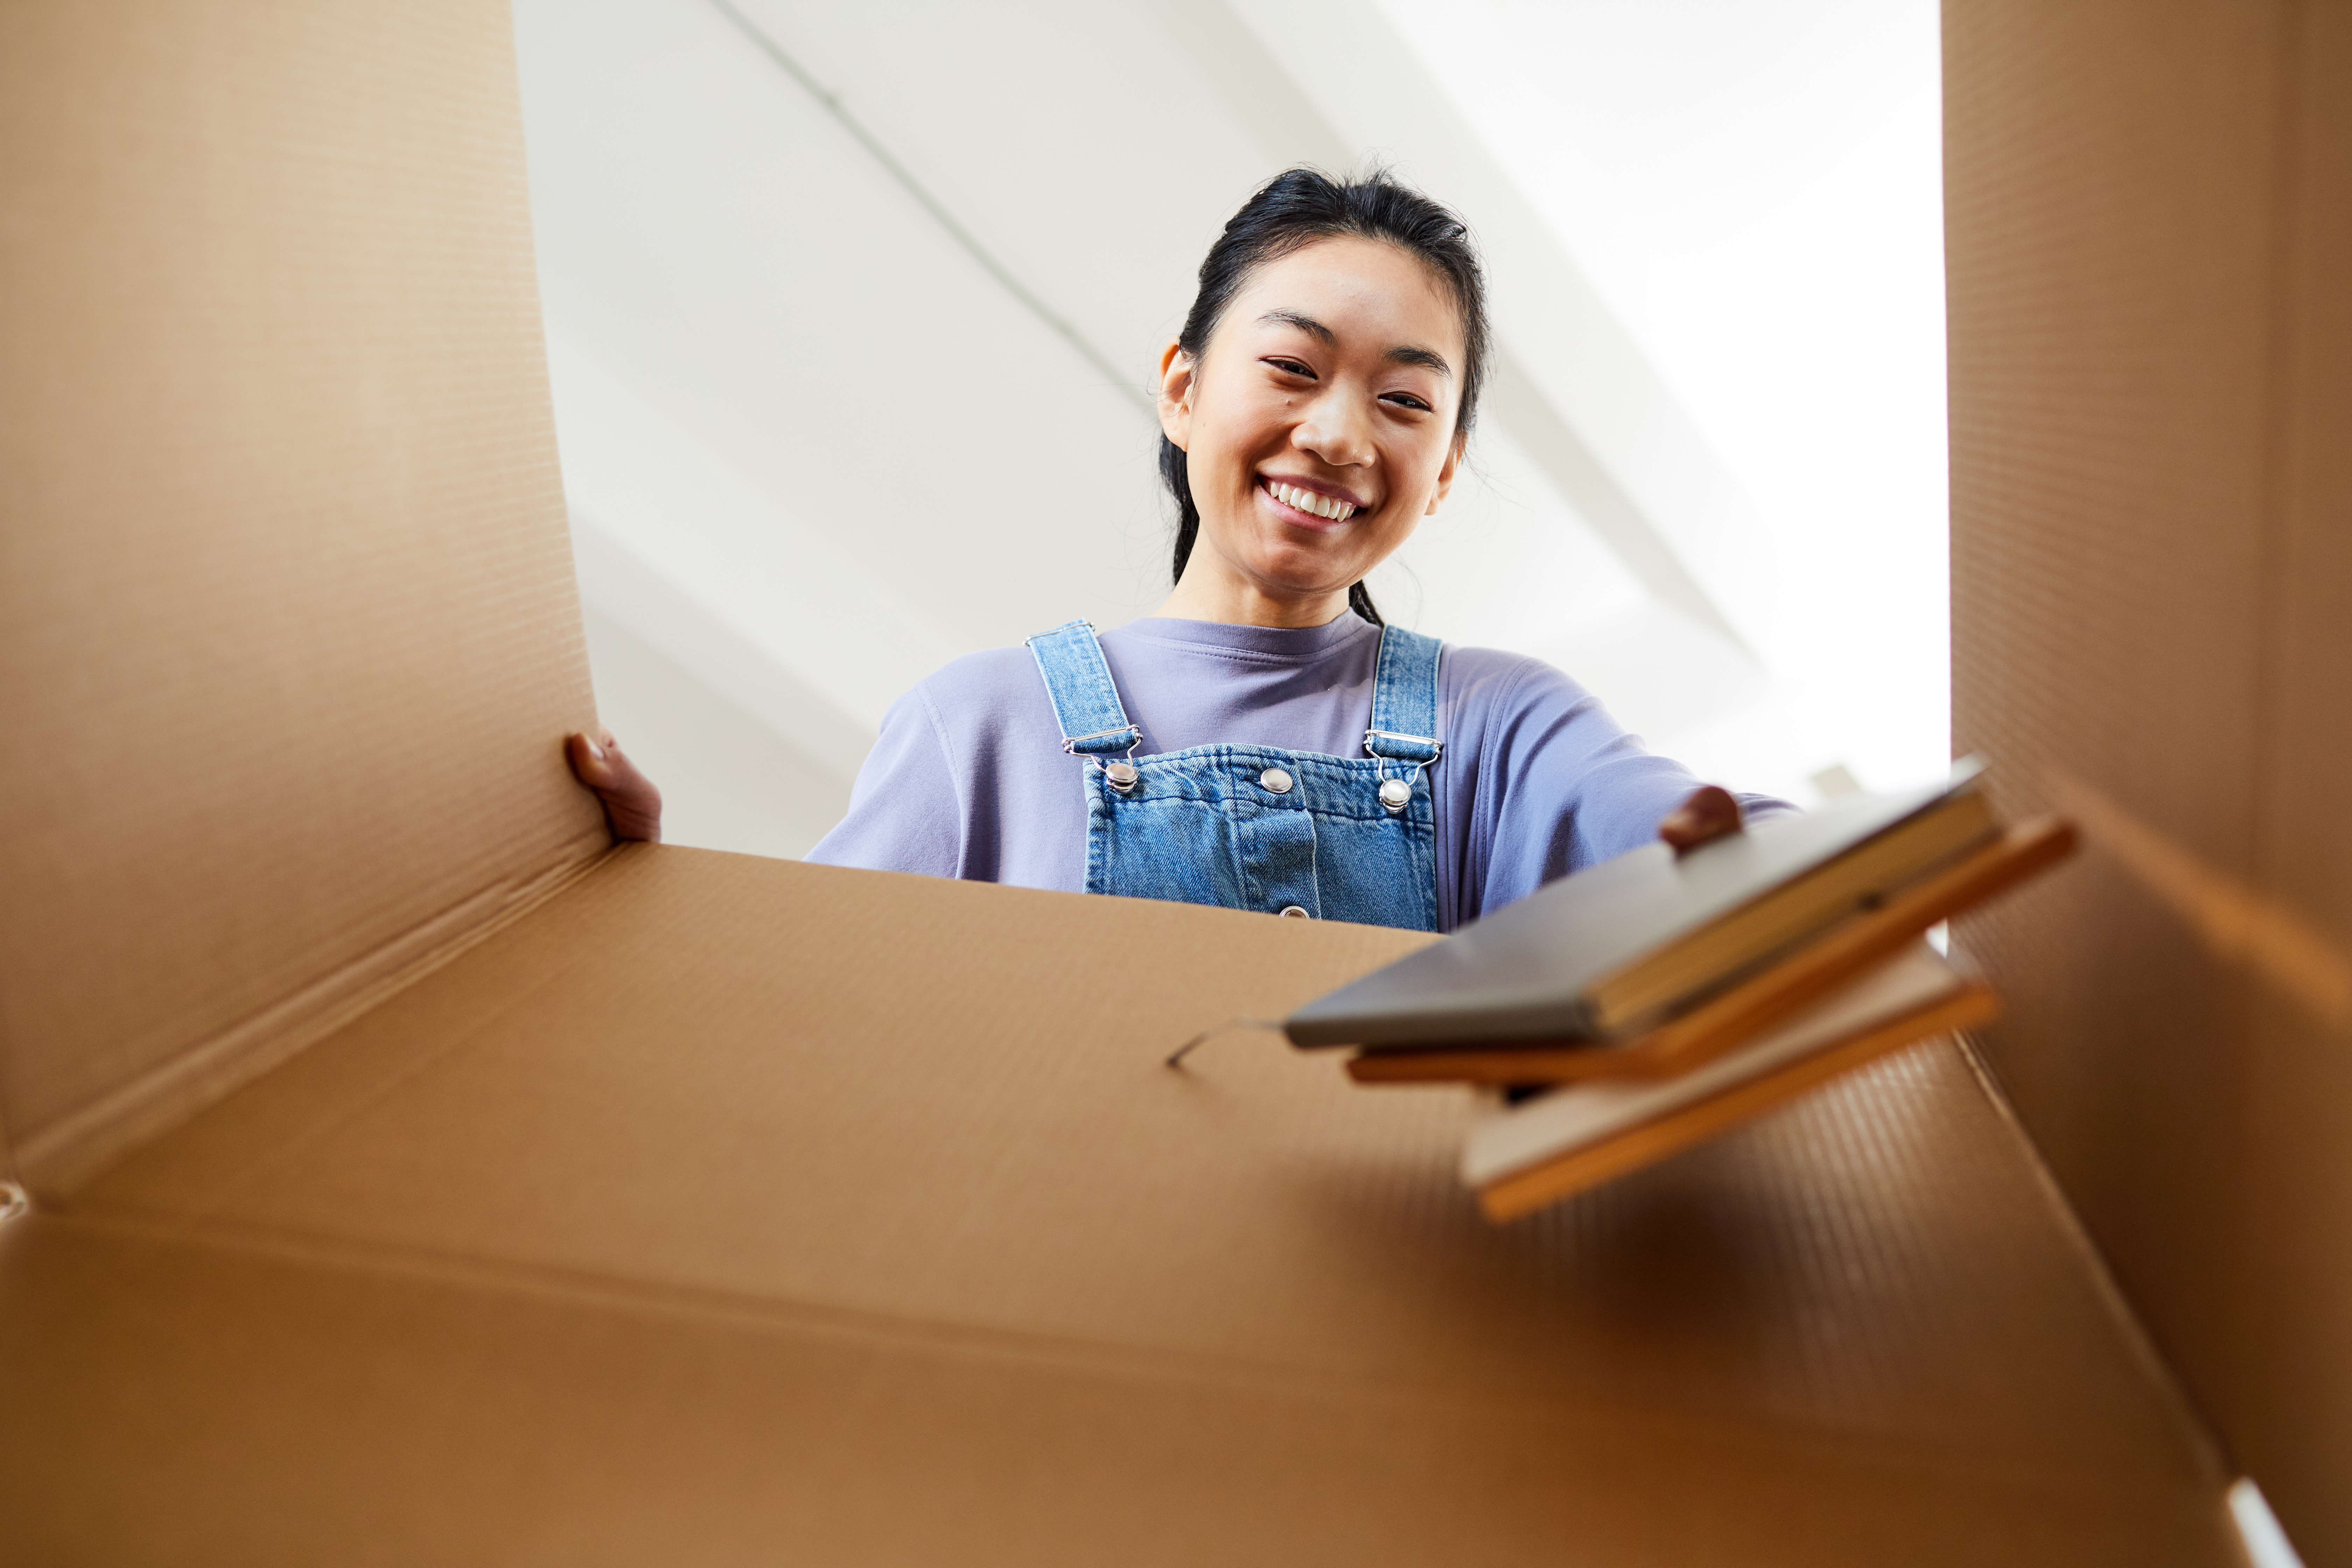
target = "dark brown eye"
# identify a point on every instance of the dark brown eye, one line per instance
(1292, 367)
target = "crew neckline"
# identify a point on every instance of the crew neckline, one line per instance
(1277, 642)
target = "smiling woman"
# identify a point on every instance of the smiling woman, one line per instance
(1385, 376)
(1265, 742)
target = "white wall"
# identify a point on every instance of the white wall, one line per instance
(844, 389)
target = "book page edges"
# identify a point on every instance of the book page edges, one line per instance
(1539, 1185)
(1792, 912)
(1582, 1113)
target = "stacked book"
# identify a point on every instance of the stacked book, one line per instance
(1653, 1001)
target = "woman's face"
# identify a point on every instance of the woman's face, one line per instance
(1319, 424)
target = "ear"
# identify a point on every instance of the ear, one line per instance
(1176, 369)
(1453, 466)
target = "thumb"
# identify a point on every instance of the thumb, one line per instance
(590, 761)
(1711, 811)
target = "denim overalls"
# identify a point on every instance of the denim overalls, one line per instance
(1256, 827)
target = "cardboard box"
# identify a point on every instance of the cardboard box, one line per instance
(2150, 245)
(416, 1177)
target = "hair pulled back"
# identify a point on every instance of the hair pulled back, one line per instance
(1290, 212)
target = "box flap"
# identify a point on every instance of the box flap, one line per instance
(2150, 248)
(288, 636)
(875, 1187)
(207, 1406)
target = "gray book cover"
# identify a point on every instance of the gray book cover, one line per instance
(1526, 972)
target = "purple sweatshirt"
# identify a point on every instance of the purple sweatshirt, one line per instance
(969, 778)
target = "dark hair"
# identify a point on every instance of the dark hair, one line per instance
(1290, 212)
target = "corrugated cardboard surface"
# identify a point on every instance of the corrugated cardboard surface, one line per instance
(2150, 237)
(741, 1209)
(288, 630)
(708, 1209)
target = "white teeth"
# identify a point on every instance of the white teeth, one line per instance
(1308, 501)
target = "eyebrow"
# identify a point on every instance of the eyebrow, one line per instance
(1429, 358)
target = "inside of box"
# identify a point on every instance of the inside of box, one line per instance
(898, 1164)
(412, 1169)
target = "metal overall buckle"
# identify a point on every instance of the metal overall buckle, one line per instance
(1123, 775)
(1396, 793)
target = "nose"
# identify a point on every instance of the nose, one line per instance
(1334, 429)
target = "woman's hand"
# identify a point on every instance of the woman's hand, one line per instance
(1710, 814)
(632, 803)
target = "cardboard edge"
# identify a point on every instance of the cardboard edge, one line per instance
(2196, 1420)
(10, 1178)
(66, 1155)
(1537, 1187)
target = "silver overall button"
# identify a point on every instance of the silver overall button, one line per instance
(1122, 775)
(1395, 794)
(1279, 783)
(1294, 911)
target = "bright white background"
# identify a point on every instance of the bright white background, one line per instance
(852, 311)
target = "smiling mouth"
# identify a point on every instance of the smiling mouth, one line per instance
(1326, 508)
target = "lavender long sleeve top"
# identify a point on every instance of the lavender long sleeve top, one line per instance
(969, 778)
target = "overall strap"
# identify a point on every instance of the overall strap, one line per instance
(1405, 699)
(1086, 703)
